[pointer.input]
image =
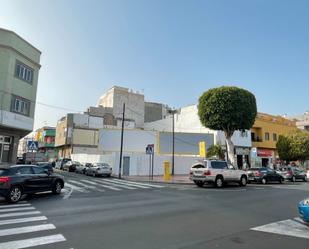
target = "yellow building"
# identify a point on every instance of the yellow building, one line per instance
(264, 135)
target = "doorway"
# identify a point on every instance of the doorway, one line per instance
(126, 165)
(240, 161)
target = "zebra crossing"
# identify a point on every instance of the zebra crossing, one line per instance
(21, 227)
(102, 185)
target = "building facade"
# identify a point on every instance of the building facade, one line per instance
(77, 133)
(302, 121)
(186, 120)
(264, 134)
(46, 142)
(19, 71)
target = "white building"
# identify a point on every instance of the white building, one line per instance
(187, 120)
(302, 121)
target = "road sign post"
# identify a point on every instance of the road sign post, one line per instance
(150, 152)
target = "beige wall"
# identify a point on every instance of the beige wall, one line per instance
(85, 137)
(60, 138)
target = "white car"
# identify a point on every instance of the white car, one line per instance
(217, 172)
(99, 169)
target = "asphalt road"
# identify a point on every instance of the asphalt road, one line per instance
(96, 216)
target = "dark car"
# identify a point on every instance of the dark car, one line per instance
(17, 180)
(46, 165)
(293, 174)
(264, 175)
(61, 162)
(71, 166)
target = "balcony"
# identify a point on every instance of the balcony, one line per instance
(256, 139)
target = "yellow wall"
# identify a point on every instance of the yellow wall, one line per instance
(265, 123)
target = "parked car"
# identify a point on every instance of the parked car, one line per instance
(46, 165)
(17, 180)
(303, 210)
(71, 166)
(264, 175)
(293, 174)
(82, 168)
(217, 172)
(61, 162)
(99, 169)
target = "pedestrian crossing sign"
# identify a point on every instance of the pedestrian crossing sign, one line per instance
(32, 145)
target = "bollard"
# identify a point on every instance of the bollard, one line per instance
(166, 175)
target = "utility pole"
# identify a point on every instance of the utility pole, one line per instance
(121, 143)
(173, 146)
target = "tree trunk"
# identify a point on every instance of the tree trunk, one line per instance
(230, 150)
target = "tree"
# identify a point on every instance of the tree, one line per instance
(215, 151)
(284, 148)
(294, 146)
(227, 109)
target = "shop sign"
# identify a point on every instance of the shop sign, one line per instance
(264, 153)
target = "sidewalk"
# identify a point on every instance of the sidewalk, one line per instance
(176, 179)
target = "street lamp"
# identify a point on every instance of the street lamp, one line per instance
(173, 146)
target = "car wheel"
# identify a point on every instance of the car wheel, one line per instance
(199, 183)
(219, 182)
(264, 181)
(243, 181)
(14, 194)
(57, 188)
(293, 179)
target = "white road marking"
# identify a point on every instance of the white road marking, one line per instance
(25, 243)
(27, 229)
(68, 193)
(116, 184)
(14, 205)
(16, 209)
(130, 184)
(93, 183)
(19, 214)
(22, 220)
(85, 186)
(107, 186)
(76, 188)
(286, 227)
(139, 183)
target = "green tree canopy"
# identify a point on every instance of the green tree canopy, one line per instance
(228, 109)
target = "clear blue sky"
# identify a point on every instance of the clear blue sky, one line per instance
(172, 49)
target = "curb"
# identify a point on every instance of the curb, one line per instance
(162, 182)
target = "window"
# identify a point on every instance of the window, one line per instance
(24, 171)
(266, 136)
(275, 137)
(39, 170)
(23, 72)
(20, 105)
(218, 165)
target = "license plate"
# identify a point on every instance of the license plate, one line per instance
(251, 178)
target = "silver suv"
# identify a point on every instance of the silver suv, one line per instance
(217, 172)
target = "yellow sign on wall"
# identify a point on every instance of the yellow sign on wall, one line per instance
(202, 149)
(166, 175)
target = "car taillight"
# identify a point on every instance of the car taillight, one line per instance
(257, 173)
(207, 173)
(191, 172)
(4, 179)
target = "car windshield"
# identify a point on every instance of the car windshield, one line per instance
(3, 172)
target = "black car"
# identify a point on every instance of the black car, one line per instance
(264, 175)
(27, 179)
(46, 165)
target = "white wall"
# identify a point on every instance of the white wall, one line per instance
(133, 140)
(15, 120)
(139, 163)
(86, 121)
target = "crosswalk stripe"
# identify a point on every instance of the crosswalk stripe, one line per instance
(76, 188)
(93, 183)
(140, 183)
(27, 229)
(116, 184)
(16, 209)
(19, 214)
(25, 243)
(14, 205)
(22, 220)
(86, 186)
(107, 186)
(130, 184)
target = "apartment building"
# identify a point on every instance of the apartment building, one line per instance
(19, 71)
